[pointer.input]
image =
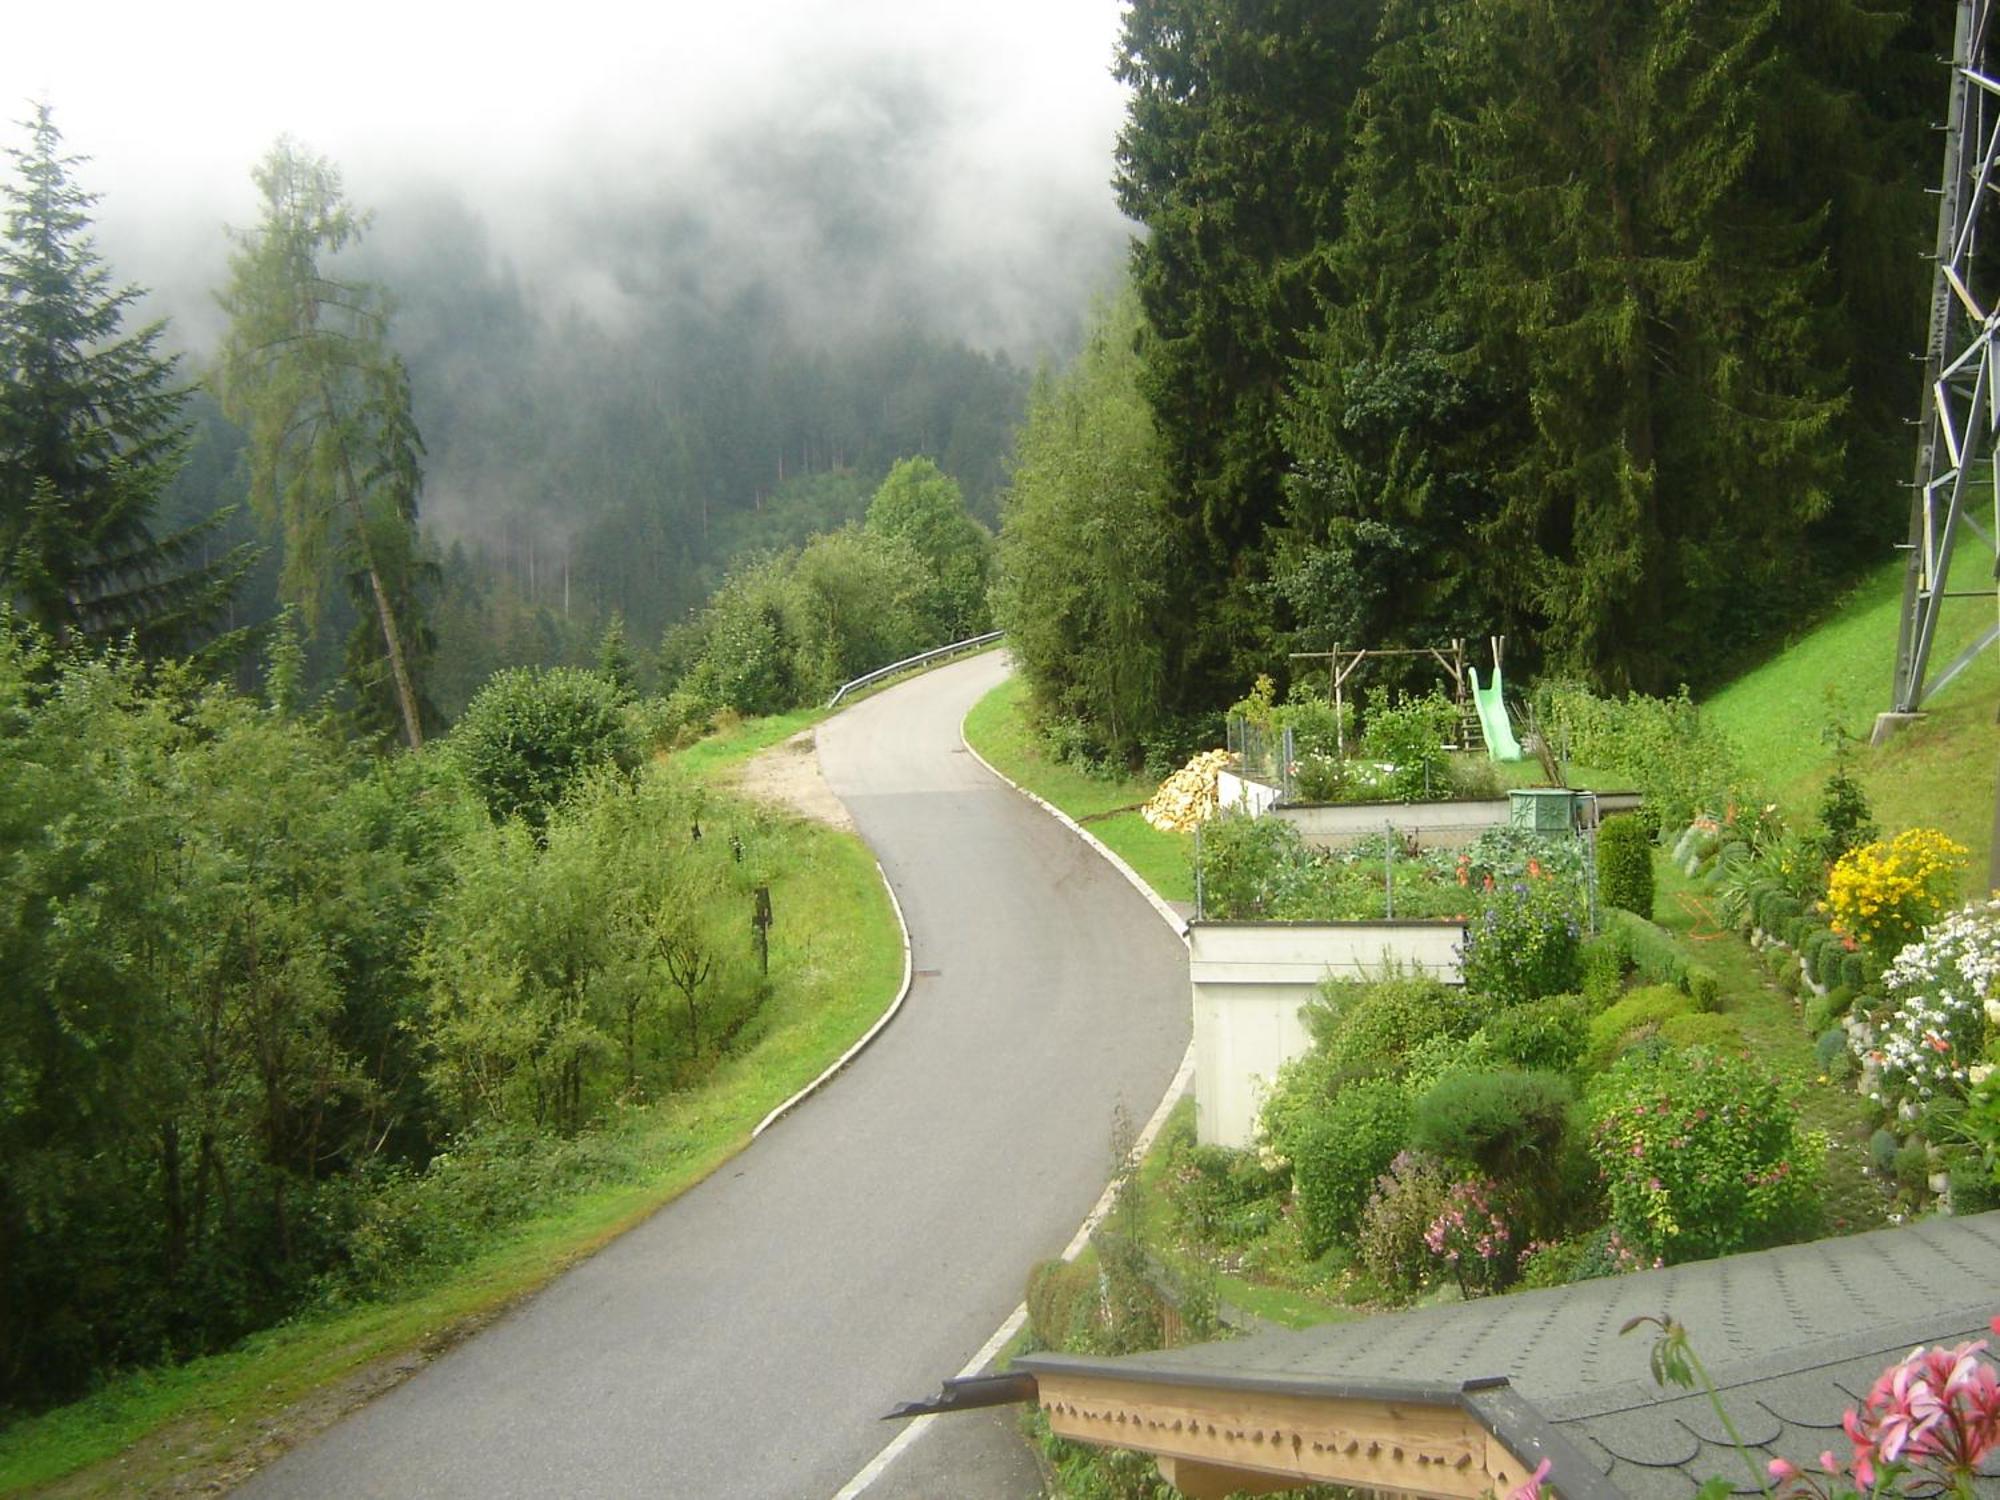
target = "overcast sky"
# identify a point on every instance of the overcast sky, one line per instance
(998, 119)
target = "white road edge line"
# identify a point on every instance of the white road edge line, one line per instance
(873, 1031)
(1004, 1335)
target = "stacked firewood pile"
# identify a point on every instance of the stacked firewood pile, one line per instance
(1188, 796)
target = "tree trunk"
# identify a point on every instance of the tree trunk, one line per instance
(392, 637)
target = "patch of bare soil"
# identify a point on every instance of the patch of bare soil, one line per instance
(787, 775)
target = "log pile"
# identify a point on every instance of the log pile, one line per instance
(1188, 796)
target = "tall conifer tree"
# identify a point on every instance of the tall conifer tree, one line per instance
(92, 431)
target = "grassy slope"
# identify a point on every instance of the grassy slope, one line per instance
(842, 950)
(1939, 773)
(998, 729)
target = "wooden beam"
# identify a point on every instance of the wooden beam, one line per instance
(1438, 1450)
(1200, 1481)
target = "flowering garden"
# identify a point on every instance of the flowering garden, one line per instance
(1588, 1102)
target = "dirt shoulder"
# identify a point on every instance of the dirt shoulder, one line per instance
(787, 775)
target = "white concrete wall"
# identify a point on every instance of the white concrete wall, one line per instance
(1249, 982)
(1235, 791)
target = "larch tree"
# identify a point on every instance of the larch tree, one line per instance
(308, 371)
(92, 431)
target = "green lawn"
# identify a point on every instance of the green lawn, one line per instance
(998, 728)
(1939, 773)
(837, 959)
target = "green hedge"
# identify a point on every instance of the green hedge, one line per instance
(1625, 866)
(1652, 951)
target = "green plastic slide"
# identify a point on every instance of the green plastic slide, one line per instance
(1500, 741)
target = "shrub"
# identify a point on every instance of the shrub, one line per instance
(1603, 966)
(1703, 1029)
(1476, 1236)
(1882, 1149)
(1371, 1025)
(1846, 821)
(1652, 952)
(1248, 866)
(1681, 761)
(1640, 1014)
(1219, 1196)
(1550, 1034)
(1625, 866)
(1338, 1153)
(1509, 1125)
(1884, 894)
(1524, 943)
(1407, 1200)
(531, 734)
(1702, 1155)
(1414, 738)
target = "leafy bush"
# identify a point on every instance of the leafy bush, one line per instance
(1884, 894)
(1845, 821)
(1625, 865)
(1370, 1025)
(1219, 1196)
(1477, 1237)
(532, 733)
(1062, 1302)
(1546, 1035)
(1524, 943)
(1703, 1029)
(1337, 1154)
(1682, 763)
(1509, 1125)
(1249, 866)
(1638, 1015)
(1702, 1155)
(1652, 952)
(1407, 1200)
(1414, 737)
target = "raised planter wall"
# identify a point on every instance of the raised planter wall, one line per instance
(1238, 792)
(1435, 825)
(1250, 981)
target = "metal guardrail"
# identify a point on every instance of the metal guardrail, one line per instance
(938, 654)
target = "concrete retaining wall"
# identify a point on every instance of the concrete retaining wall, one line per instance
(1250, 980)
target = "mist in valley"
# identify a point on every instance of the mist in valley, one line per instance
(670, 287)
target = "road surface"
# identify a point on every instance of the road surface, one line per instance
(746, 1339)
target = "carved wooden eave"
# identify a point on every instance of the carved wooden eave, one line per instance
(1217, 1438)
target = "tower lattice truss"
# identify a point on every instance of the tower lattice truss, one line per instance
(1956, 498)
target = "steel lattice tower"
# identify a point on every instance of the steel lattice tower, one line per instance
(1956, 448)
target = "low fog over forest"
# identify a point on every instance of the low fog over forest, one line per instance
(665, 296)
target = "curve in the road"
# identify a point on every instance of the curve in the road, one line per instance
(745, 1340)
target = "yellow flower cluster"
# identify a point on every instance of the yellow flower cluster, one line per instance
(1883, 895)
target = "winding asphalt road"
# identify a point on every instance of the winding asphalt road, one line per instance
(747, 1338)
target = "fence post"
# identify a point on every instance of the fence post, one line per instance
(1198, 905)
(1389, 873)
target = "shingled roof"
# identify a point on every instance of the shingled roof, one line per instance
(1792, 1337)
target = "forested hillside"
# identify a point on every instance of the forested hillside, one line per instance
(1582, 322)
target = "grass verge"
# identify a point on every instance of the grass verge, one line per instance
(998, 728)
(838, 960)
(1937, 773)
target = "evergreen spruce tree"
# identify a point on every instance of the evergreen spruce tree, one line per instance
(1230, 157)
(92, 430)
